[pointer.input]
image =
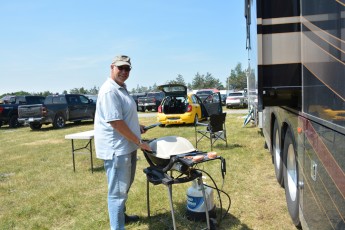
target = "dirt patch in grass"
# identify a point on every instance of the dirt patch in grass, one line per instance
(44, 142)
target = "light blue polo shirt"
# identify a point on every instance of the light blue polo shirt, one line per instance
(114, 103)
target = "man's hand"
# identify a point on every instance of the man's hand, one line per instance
(142, 130)
(145, 146)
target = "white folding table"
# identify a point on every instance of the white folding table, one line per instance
(87, 135)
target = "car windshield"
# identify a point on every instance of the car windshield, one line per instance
(157, 95)
(235, 94)
(204, 92)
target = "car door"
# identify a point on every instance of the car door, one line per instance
(212, 104)
(86, 108)
(74, 106)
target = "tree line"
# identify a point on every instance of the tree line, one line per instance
(237, 80)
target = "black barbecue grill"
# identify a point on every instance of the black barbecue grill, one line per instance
(175, 153)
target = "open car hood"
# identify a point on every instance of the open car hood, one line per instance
(173, 89)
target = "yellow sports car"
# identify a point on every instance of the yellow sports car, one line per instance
(178, 107)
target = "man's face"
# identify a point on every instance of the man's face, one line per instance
(120, 73)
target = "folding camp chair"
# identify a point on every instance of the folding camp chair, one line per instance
(215, 129)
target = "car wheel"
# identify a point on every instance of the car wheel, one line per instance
(59, 121)
(0, 123)
(196, 119)
(35, 126)
(291, 178)
(277, 154)
(143, 109)
(13, 123)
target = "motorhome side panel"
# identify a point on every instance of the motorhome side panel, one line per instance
(323, 110)
(301, 87)
(279, 53)
(323, 183)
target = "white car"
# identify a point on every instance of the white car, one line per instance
(236, 99)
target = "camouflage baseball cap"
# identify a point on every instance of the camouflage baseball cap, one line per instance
(122, 60)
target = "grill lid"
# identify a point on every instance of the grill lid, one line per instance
(165, 147)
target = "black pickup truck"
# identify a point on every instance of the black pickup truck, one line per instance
(56, 110)
(151, 101)
(9, 112)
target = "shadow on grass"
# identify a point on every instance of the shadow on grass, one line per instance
(68, 125)
(99, 168)
(163, 220)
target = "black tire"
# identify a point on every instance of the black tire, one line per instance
(13, 122)
(142, 109)
(59, 121)
(35, 126)
(277, 154)
(291, 178)
(1, 123)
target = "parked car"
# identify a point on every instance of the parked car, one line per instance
(92, 97)
(9, 110)
(56, 110)
(223, 96)
(236, 99)
(135, 96)
(204, 93)
(178, 107)
(151, 101)
(6, 99)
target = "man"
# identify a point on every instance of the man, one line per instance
(117, 138)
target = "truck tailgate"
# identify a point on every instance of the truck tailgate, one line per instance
(30, 111)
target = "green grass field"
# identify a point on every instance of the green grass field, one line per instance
(39, 190)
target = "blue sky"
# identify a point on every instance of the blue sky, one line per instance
(67, 44)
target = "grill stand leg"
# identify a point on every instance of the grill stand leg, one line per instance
(171, 204)
(168, 183)
(200, 182)
(148, 197)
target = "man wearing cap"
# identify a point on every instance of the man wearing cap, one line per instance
(117, 138)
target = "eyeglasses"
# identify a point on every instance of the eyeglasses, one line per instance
(124, 67)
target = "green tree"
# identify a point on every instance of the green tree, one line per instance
(237, 79)
(93, 90)
(198, 81)
(179, 80)
(46, 93)
(205, 82)
(79, 91)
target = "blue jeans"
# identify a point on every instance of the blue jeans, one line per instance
(120, 174)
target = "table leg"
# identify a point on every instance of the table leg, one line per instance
(91, 155)
(73, 155)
